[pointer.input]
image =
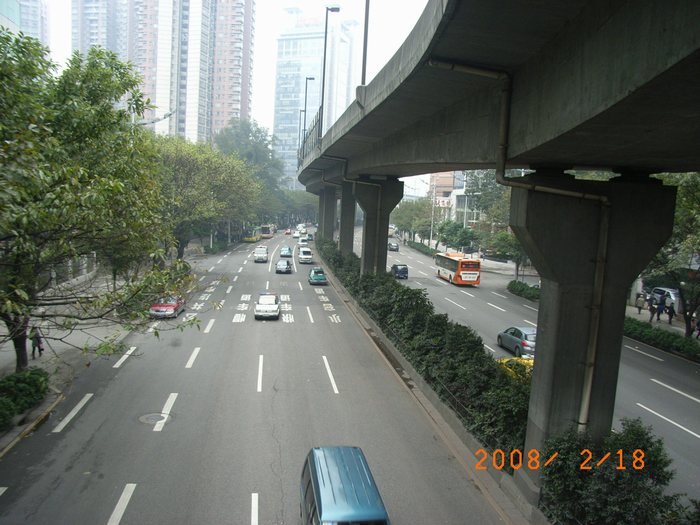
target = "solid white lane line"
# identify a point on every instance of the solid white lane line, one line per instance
(118, 511)
(228, 290)
(676, 390)
(72, 413)
(254, 508)
(165, 412)
(643, 353)
(219, 261)
(308, 311)
(669, 420)
(260, 372)
(467, 293)
(489, 349)
(330, 374)
(209, 325)
(124, 357)
(530, 307)
(496, 307)
(210, 269)
(450, 300)
(499, 295)
(530, 322)
(194, 355)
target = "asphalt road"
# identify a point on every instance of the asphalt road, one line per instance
(660, 388)
(211, 425)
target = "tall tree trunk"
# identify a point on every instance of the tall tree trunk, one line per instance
(17, 328)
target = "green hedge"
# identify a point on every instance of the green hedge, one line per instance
(524, 290)
(644, 332)
(21, 391)
(493, 405)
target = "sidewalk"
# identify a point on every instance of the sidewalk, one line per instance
(677, 326)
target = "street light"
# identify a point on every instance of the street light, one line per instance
(364, 44)
(323, 75)
(306, 90)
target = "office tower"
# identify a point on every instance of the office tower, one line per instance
(300, 55)
(190, 53)
(33, 20)
(9, 15)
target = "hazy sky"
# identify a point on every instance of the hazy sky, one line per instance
(390, 23)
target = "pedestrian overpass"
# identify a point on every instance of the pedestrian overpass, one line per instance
(548, 86)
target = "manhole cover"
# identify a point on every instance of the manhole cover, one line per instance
(152, 419)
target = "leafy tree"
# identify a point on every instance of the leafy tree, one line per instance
(76, 179)
(453, 234)
(505, 242)
(407, 214)
(677, 265)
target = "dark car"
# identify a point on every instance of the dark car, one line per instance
(393, 246)
(283, 266)
(519, 339)
(399, 271)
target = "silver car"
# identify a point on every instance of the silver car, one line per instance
(519, 339)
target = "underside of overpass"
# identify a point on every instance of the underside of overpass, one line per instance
(548, 86)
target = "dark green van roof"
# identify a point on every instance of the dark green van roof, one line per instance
(344, 487)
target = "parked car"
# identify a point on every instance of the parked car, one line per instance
(399, 271)
(283, 266)
(393, 246)
(317, 276)
(169, 306)
(267, 306)
(518, 339)
(659, 294)
(286, 251)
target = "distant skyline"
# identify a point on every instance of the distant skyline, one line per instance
(388, 27)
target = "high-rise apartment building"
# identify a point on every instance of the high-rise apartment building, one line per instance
(33, 20)
(195, 56)
(9, 15)
(299, 56)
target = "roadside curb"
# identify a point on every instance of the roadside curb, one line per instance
(19, 432)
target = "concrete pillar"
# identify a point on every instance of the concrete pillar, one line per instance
(347, 218)
(377, 199)
(579, 338)
(319, 231)
(327, 208)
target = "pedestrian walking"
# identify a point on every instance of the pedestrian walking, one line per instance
(670, 311)
(652, 311)
(639, 303)
(37, 343)
(660, 307)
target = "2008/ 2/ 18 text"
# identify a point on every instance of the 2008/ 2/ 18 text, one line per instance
(533, 459)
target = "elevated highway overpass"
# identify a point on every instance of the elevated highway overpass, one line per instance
(548, 86)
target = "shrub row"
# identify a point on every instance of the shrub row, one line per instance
(21, 391)
(524, 290)
(493, 405)
(420, 247)
(658, 337)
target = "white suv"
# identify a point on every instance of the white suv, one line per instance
(305, 256)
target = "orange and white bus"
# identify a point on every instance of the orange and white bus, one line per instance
(457, 268)
(267, 231)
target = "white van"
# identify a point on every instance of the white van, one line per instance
(305, 256)
(260, 254)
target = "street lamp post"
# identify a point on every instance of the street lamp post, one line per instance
(432, 216)
(323, 75)
(364, 44)
(306, 91)
(299, 131)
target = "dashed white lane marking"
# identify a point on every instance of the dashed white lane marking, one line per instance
(643, 353)
(260, 373)
(489, 349)
(202, 278)
(211, 269)
(300, 288)
(165, 412)
(228, 290)
(496, 307)
(530, 307)
(219, 261)
(72, 413)
(118, 511)
(422, 273)
(669, 420)
(153, 326)
(267, 285)
(308, 311)
(442, 281)
(499, 295)
(124, 357)
(194, 355)
(235, 277)
(456, 304)
(675, 390)
(254, 508)
(467, 293)
(240, 269)
(330, 374)
(209, 325)
(530, 322)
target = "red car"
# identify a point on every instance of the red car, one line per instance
(287, 231)
(170, 306)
